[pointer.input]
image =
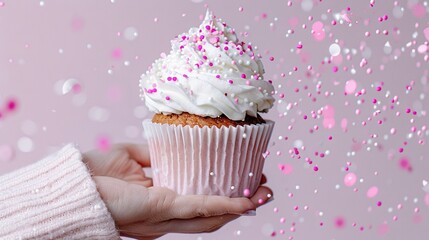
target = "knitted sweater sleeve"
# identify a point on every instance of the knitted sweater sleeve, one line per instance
(54, 198)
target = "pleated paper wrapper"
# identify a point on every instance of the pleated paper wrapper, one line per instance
(210, 161)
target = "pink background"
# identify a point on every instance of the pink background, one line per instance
(106, 45)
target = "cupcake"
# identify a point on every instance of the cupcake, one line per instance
(206, 136)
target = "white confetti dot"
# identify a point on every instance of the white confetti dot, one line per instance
(130, 33)
(398, 12)
(334, 49)
(267, 229)
(28, 127)
(98, 114)
(25, 144)
(307, 5)
(298, 143)
(132, 131)
(68, 85)
(387, 48)
(79, 99)
(140, 112)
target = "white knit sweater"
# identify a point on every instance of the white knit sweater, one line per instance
(54, 198)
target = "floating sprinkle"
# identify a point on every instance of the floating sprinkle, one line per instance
(372, 192)
(350, 179)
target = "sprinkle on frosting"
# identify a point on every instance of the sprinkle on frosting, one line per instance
(208, 72)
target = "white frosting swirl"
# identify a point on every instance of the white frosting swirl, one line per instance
(208, 73)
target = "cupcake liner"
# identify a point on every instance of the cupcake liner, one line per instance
(211, 161)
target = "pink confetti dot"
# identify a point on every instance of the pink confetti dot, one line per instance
(383, 229)
(418, 10)
(319, 35)
(340, 222)
(404, 164)
(372, 192)
(117, 53)
(103, 143)
(11, 105)
(426, 33)
(350, 86)
(285, 168)
(350, 179)
(317, 26)
(328, 123)
(6, 153)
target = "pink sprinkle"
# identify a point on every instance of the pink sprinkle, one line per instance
(317, 26)
(208, 27)
(271, 59)
(350, 86)
(316, 168)
(426, 33)
(214, 40)
(218, 76)
(335, 69)
(405, 164)
(117, 53)
(319, 35)
(379, 203)
(167, 98)
(299, 46)
(372, 192)
(350, 179)
(419, 10)
(11, 105)
(340, 222)
(243, 75)
(285, 168)
(230, 81)
(246, 192)
(6, 153)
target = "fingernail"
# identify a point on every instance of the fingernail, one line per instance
(269, 200)
(249, 213)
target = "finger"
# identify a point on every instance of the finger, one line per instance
(263, 179)
(198, 225)
(146, 182)
(194, 225)
(190, 206)
(138, 152)
(262, 195)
